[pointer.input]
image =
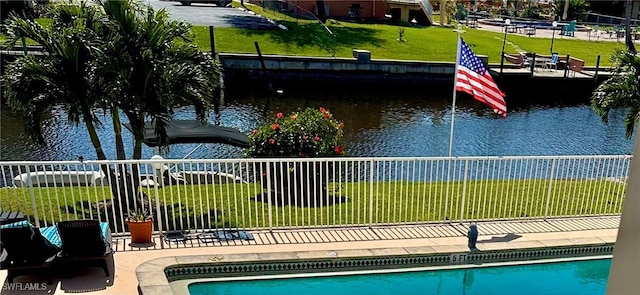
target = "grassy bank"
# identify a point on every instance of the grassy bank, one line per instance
(424, 44)
(309, 38)
(348, 203)
(305, 37)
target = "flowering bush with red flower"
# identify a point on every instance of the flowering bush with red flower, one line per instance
(309, 133)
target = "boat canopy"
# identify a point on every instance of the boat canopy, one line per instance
(194, 131)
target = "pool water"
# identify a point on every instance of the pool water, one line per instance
(587, 277)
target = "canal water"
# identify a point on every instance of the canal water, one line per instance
(376, 124)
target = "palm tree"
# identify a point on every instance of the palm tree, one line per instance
(621, 90)
(150, 67)
(116, 56)
(63, 76)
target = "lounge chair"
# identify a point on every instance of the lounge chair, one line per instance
(569, 30)
(553, 63)
(85, 243)
(525, 62)
(27, 252)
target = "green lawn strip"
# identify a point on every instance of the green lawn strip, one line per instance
(423, 44)
(309, 38)
(210, 206)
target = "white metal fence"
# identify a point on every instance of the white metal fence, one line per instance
(297, 193)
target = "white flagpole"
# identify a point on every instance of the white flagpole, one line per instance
(455, 78)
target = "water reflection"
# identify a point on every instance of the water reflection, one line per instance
(377, 124)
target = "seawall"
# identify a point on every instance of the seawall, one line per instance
(244, 72)
(350, 74)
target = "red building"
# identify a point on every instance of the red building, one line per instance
(404, 10)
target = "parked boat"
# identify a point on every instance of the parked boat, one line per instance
(60, 179)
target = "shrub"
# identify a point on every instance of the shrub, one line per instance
(309, 133)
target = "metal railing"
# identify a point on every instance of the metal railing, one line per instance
(307, 193)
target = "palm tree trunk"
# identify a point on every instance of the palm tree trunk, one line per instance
(117, 129)
(95, 140)
(565, 14)
(137, 149)
(627, 32)
(137, 152)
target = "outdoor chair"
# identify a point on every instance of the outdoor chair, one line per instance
(524, 61)
(617, 31)
(553, 63)
(85, 243)
(27, 252)
(569, 30)
(594, 32)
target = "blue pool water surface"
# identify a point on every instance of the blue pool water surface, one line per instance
(587, 277)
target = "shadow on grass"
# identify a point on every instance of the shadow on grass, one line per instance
(315, 35)
(300, 201)
(172, 216)
(249, 22)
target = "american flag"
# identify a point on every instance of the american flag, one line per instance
(473, 78)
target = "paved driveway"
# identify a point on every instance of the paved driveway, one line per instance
(204, 14)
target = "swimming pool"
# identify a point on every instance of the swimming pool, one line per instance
(172, 275)
(585, 277)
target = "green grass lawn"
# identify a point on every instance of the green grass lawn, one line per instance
(208, 206)
(306, 37)
(309, 38)
(424, 44)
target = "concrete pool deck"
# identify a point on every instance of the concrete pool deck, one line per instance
(124, 280)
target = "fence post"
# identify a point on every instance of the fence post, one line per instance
(533, 64)
(566, 68)
(371, 170)
(595, 75)
(34, 206)
(546, 207)
(157, 166)
(269, 205)
(464, 189)
(446, 195)
(212, 42)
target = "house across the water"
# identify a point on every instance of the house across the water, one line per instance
(417, 11)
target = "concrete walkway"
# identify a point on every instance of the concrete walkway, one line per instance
(438, 237)
(600, 36)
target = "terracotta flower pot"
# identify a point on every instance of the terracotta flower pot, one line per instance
(140, 231)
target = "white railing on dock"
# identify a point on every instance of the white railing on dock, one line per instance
(303, 193)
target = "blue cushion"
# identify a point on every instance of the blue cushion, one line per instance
(19, 224)
(104, 228)
(24, 223)
(50, 233)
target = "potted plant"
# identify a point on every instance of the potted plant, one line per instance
(140, 224)
(310, 133)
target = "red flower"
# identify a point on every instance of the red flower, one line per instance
(272, 141)
(279, 115)
(341, 125)
(304, 137)
(327, 115)
(317, 138)
(254, 132)
(275, 127)
(338, 150)
(323, 110)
